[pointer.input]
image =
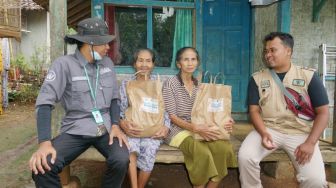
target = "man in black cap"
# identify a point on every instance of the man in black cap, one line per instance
(85, 83)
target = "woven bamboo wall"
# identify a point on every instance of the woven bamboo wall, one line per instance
(10, 18)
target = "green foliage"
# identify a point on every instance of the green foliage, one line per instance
(132, 31)
(12, 95)
(26, 88)
(71, 31)
(26, 94)
(20, 62)
(38, 63)
(163, 38)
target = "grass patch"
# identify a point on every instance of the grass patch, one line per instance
(17, 173)
(16, 135)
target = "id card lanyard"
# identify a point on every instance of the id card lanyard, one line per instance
(95, 112)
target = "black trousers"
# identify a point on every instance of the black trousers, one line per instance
(69, 147)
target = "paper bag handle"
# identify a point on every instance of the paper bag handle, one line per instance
(146, 77)
(219, 75)
(206, 74)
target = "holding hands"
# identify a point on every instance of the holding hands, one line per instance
(132, 130)
(211, 133)
(162, 133)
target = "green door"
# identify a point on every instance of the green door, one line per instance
(226, 39)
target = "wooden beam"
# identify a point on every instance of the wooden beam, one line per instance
(58, 25)
(73, 3)
(153, 3)
(5, 32)
(317, 6)
(79, 9)
(334, 122)
(284, 15)
(85, 13)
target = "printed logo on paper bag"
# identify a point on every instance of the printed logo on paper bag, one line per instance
(150, 105)
(215, 105)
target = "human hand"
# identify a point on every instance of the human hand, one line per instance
(161, 133)
(130, 128)
(267, 141)
(228, 126)
(304, 152)
(116, 132)
(208, 133)
(38, 161)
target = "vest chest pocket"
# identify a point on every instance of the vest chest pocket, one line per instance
(264, 96)
(80, 96)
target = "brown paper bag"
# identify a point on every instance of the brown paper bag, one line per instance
(146, 107)
(212, 107)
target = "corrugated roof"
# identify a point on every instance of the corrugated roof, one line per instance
(43, 3)
(22, 4)
(30, 5)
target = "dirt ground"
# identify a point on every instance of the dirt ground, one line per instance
(18, 141)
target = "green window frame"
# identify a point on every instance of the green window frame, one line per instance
(97, 10)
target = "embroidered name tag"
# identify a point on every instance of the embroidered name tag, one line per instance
(298, 82)
(78, 78)
(265, 84)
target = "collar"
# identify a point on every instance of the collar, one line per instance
(82, 60)
(151, 77)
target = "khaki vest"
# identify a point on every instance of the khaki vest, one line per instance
(272, 102)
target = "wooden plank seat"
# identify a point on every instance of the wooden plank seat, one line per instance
(169, 155)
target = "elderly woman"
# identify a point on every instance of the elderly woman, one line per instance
(206, 161)
(142, 150)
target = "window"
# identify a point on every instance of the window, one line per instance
(149, 24)
(163, 35)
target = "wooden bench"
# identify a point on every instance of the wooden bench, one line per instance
(169, 155)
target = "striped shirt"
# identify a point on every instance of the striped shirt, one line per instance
(177, 102)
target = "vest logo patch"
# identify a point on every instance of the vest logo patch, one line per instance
(265, 84)
(298, 82)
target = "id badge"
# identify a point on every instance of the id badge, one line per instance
(97, 117)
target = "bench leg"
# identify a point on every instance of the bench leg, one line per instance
(68, 181)
(73, 183)
(65, 175)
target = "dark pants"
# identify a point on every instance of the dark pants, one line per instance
(69, 147)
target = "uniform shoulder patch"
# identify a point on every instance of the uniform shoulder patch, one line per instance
(51, 76)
